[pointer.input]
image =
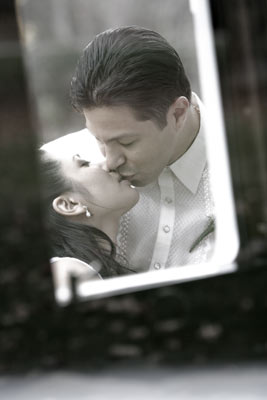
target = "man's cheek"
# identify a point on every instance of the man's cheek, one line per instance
(136, 158)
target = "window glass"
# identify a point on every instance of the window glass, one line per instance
(54, 34)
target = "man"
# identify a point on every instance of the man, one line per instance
(131, 87)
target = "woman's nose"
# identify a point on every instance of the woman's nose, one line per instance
(104, 166)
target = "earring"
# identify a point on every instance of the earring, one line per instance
(87, 212)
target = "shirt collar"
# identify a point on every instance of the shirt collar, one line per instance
(189, 167)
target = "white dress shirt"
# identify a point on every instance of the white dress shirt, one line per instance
(171, 214)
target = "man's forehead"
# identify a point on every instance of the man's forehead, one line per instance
(81, 142)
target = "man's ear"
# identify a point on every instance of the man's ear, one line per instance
(178, 109)
(67, 206)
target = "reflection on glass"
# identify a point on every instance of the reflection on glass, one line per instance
(131, 192)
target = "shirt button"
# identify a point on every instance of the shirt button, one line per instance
(157, 265)
(166, 229)
(168, 200)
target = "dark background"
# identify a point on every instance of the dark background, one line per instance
(216, 320)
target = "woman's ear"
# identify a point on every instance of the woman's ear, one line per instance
(67, 206)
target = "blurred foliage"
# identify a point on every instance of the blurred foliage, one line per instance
(241, 50)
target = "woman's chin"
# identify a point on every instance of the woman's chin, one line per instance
(132, 201)
(136, 197)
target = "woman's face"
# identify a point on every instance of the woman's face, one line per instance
(105, 189)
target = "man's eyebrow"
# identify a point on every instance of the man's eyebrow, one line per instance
(118, 137)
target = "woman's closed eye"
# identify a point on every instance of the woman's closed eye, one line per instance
(84, 163)
(81, 162)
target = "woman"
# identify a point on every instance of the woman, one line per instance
(85, 203)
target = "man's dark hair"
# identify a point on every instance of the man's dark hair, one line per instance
(73, 239)
(130, 66)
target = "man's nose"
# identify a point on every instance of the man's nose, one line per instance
(114, 159)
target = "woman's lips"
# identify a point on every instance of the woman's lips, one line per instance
(115, 175)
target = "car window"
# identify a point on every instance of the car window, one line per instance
(53, 37)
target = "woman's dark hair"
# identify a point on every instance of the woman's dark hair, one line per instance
(130, 66)
(72, 239)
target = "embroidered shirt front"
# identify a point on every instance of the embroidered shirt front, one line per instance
(171, 214)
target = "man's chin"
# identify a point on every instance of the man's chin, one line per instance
(140, 182)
